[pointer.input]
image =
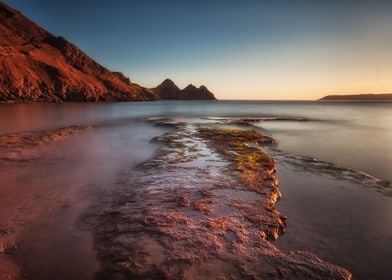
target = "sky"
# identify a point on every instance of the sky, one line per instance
(238, 49)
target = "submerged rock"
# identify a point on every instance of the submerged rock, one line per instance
(202, 208)
(19, 146)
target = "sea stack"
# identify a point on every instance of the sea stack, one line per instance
(168, 90)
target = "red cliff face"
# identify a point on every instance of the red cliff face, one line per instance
(169, 91)
(36, 66)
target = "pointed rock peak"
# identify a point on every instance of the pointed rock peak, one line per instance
(190, 87)
(167, 81)
(204, 89)
(168, 84)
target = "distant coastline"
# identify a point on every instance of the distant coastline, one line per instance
(361, 97)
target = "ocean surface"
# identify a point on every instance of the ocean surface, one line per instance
(334, 164)
(352, 134)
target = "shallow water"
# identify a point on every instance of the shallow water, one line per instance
(344, 222)
(44, 195)
(355, 135)
(339, 220)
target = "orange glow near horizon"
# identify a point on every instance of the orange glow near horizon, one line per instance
(290, 72)
(298, 69)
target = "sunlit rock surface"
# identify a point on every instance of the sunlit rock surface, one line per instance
(36, 66)
(202, 208)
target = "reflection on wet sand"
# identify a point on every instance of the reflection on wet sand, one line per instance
(46, 188)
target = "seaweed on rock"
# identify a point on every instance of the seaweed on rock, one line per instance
(202, 208)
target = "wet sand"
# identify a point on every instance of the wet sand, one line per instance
(38, 209)
(40, 224)
(45, 190)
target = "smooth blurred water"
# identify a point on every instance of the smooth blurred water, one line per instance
(351, 134)
(343, 222)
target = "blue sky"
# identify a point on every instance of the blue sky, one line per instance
(239, 49)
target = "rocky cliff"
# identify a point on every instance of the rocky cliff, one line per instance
(36, 66)
(168, 90)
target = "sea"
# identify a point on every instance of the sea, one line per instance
(334, 164)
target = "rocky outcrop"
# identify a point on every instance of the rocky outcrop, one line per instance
(23, 146)
(36, 66)
(168, 90)
(359, 97)
(202, 208)
(192, 92)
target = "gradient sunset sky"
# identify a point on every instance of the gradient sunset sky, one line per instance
(238, 49)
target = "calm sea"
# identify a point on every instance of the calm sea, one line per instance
(356, 135)
(337, 213)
